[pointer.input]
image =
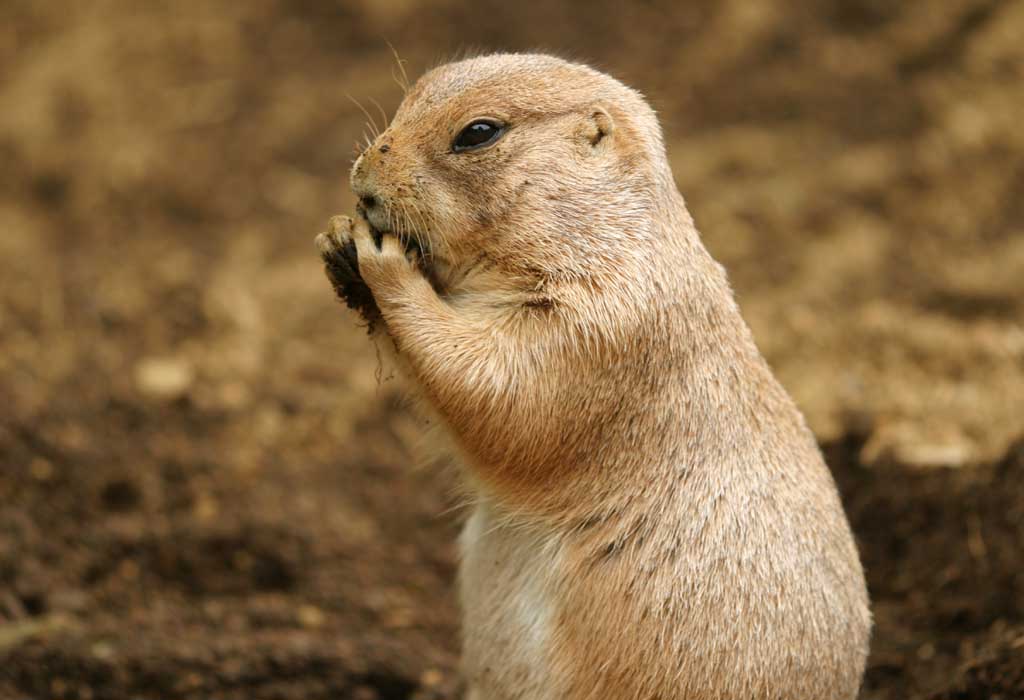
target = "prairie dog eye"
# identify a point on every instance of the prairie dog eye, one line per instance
(477, 134)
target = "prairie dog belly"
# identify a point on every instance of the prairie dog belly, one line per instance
(507, 587)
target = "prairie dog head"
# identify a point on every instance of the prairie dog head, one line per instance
(530, 163)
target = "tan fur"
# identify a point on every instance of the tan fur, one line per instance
(655, 520)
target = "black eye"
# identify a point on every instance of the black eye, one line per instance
(479, 133)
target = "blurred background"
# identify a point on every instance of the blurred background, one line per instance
(208, 491)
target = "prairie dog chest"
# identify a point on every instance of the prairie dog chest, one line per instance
(508, 587)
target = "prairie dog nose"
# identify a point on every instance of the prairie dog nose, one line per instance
(363, 185)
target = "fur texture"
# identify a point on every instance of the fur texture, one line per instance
(655, 520)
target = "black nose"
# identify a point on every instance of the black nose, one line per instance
(368, 201)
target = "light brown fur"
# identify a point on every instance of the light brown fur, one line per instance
(654, 518)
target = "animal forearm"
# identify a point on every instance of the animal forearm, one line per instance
(472, 372)
(470, 367)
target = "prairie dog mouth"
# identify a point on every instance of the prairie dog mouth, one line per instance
(376, 217)
(379, 225)
(436, 268)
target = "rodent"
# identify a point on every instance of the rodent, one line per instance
(653, 518)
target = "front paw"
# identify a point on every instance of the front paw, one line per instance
(341, 263)
(385, 264)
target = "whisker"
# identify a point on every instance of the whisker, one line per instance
(398, 81)
(409, 225)
(372, 124)
(389, 214)
(427, 243)
(404, 82)
(383, 114)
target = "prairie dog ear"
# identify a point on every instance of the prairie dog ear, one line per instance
(596, 126)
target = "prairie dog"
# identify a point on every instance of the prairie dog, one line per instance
(654, 519)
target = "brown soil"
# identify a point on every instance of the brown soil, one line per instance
(208, 491)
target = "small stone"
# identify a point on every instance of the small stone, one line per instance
(431, 678)
(164, 377)
(311, 616)
(399, 618)
(40, 469)
(206, 507)
(104, 651)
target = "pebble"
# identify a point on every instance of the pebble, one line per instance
(164, 378)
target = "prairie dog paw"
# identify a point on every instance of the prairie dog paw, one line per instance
(341, 263)
(385, 265)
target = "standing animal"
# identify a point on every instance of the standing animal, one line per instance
(653, 519)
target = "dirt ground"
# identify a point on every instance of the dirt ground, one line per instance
(207, 491)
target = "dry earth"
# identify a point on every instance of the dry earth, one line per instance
(207, 491)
